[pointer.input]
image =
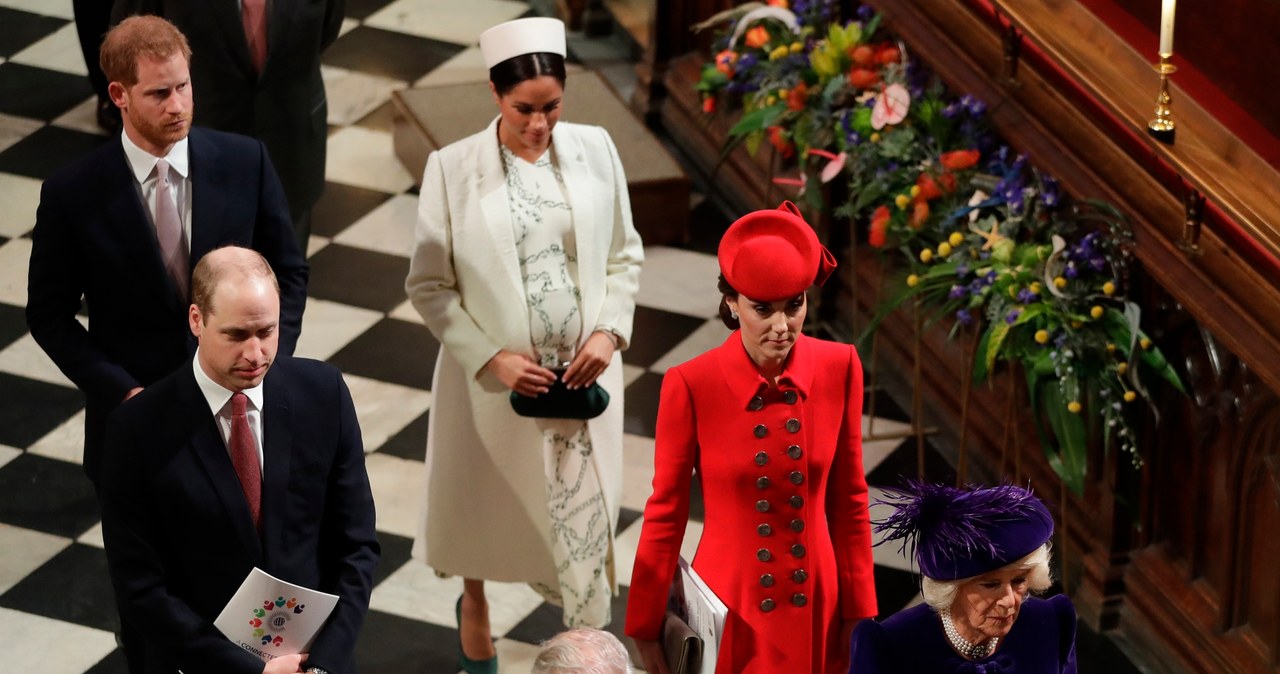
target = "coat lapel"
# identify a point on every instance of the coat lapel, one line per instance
(572, 157)
(226, 14)
(277, 438)
(131, 225)
(212, 453)
(491, 185)
(209, 191)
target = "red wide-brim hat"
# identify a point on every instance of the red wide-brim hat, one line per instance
(773, 255)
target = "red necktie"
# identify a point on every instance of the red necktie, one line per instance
(253, 14)
(244, 456)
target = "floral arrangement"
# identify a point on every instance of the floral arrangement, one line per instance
(986, 241)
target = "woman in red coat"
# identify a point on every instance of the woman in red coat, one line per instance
(771, 421)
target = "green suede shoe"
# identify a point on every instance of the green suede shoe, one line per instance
(489, 666)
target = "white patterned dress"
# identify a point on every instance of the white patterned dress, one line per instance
(582, 540)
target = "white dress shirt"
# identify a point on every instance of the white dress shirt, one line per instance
(143, 165)
(219, 399)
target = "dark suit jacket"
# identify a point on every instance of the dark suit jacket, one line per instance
(177, 529)
(94, 239)
(285, 106)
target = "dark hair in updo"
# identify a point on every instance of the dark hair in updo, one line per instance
(726, 314)
(507, 74)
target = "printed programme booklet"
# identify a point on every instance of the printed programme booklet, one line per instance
(270, 617)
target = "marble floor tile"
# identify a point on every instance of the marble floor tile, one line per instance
(92, 537)
(874, 452)
(48, 148)
(516, 656)
(415, 591)
(23, 551)
(329, 326)
(387, 53)
(626, 543)
(14, 129)
(637, 471)
(315, 244)
(348, 24)
(23, 29)
(887, 554)
(708, 336)
(630, 373)
(39, 93)
(405, 312)
(411, 442)
(360, 157)
(352, 95)
(467, 66)
(25, 358)
(391, 643)
(47, 495)
(661, 331)
(388, 228)
(341, 205)
(83, 117)
(446, 20)
(383, 409)
(61, 9)
(392, 351)
(8, 454)
(679, 280)
(59, 51)
(38, 408)
(358, 276)
(64, 443)
(21, 197)
(397, 492)
(32, 643)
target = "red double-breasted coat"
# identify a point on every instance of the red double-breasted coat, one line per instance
(786, 541)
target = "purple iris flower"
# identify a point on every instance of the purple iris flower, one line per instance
(917, 92)
(1071, 271)
(853, 138)
(865, 12)
(1097, 263)
(957, 292)
(990, 278)
(964, 317)
(1025, 296)
(746, 62)
(952, 110)
(1012, 316)
(975, 106)
(962, 270)
(799, 6)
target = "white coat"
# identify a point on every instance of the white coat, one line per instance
(486, 502)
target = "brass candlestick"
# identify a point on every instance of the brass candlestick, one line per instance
(1162, 128)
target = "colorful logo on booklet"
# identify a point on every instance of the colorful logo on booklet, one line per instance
(269, 622)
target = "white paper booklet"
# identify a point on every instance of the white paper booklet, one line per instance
(704, 612)
(270, 617)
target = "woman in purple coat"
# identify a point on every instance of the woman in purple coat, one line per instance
(981, 553)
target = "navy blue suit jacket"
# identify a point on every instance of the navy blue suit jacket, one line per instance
(94, 239)
(178, 533)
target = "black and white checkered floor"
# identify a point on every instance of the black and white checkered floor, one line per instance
(56, 610)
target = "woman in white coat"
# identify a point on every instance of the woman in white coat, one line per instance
(526, 259)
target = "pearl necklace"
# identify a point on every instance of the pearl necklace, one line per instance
(962, 645)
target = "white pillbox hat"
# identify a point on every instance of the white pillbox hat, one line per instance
(522, 36)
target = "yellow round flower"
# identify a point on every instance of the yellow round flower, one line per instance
(944, 249)
(1111, 348)
(1130, 396)
(771, 100)
(1013, 291)
(1076, 324)
(1144, 343)
(1122, 368)
(782, 94)
(1096, 312)
(926, 255)
(797, 47)
(915, 191)
(913, 280)
(778, 53)
(902, 201)
(1074, 407)
(1108, 288)
(1042, 336)
(1035, 287)
(875, 137)
(1059, 283)
(955, 239)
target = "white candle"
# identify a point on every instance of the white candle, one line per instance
(1166, 27)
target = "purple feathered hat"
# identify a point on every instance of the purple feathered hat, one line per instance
(959, 533)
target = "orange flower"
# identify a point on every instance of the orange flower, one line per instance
(709, 105)
(863, 55)
(796, 97)
(778, 3)
(888, 54)
(780, 142)
(725, 61)
(958, 160)
(863, 78)
(879, 227)
(757, 37)
(919, 214)
(929, 189)
(948, 180)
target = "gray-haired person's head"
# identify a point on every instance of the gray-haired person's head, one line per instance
(582, 651)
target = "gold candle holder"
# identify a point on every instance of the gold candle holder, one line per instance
(1162, 127)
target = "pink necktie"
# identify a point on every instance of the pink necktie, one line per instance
(169, 232)
(244, 456)
(253, 14)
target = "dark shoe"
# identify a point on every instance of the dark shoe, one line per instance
(470, 666)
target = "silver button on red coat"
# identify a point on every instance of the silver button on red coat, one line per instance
(764, 530)
(761, 458)
(764, 555)
(756, 404)
(762, 482)
(790, 397)
(797, 551)
(793, 425)
(799, 599)
(795, 452)
(767, 605)
(760, 430)
(796, 477)
(762, 506)
(766, 580)
(799, 575)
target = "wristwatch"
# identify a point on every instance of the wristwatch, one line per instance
(317, 670)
